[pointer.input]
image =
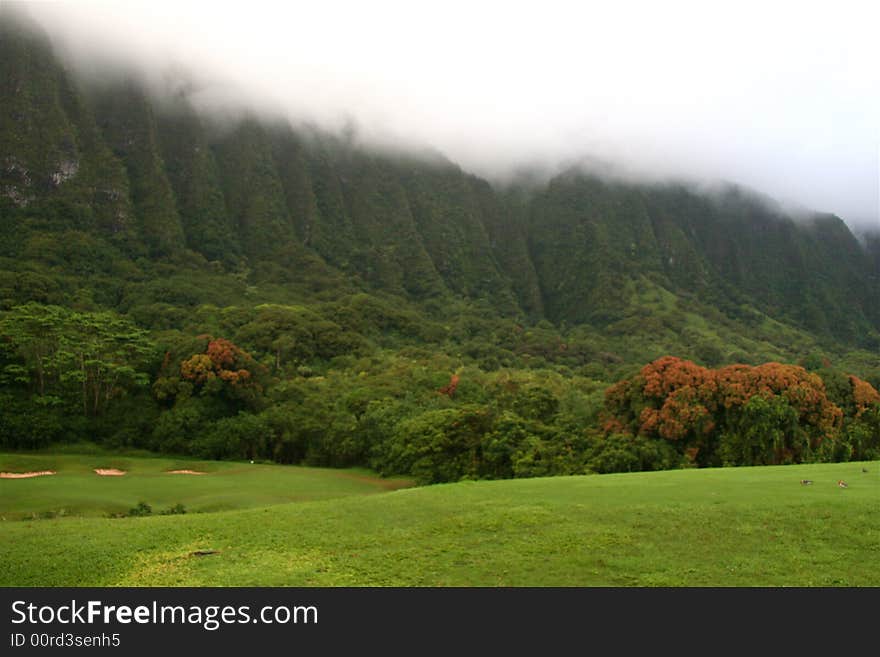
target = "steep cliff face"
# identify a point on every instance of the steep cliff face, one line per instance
(729, 248)
(195, 178)
(39, 144)
(128, 125)
(159, 180)
(52, 154)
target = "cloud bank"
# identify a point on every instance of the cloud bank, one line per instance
(783, 97)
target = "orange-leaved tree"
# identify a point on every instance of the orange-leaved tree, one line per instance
(218, 367)
(698, 408)
(222, 360)
(864, 396)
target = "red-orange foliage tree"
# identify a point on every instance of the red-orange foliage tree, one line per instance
(449, 390)
(222, 359)
(222, 366)
(864, 395)
(680, 401)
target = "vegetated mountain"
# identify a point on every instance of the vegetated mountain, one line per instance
(319, 256)
(158, 180)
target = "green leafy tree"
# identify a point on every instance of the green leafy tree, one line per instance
(91, 357)
(765, 432)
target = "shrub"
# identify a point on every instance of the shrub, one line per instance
(177, 509)
(142, 509)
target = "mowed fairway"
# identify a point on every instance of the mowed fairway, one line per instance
(714, 527)
(75, 489)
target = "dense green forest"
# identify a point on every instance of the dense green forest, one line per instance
(251, 289)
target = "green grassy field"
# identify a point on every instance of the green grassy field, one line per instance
(713, 527)
(77, 491)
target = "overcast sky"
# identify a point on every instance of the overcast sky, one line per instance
(780, 96)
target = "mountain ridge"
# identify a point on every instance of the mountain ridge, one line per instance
(158, 179)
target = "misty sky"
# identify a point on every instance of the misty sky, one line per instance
(784, 98)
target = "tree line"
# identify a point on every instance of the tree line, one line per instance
(291, 386)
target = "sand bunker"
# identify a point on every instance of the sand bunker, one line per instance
(109, 472)
(25, 475)
(196, 472)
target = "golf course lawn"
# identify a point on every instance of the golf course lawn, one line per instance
(714, 527)
(76, 490)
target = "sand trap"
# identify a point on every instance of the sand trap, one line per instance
(109, 472)
(25, 475)
(196, 472)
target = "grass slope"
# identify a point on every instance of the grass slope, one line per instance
(77, 491)
(713, 527)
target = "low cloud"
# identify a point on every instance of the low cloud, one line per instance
(782, 97)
